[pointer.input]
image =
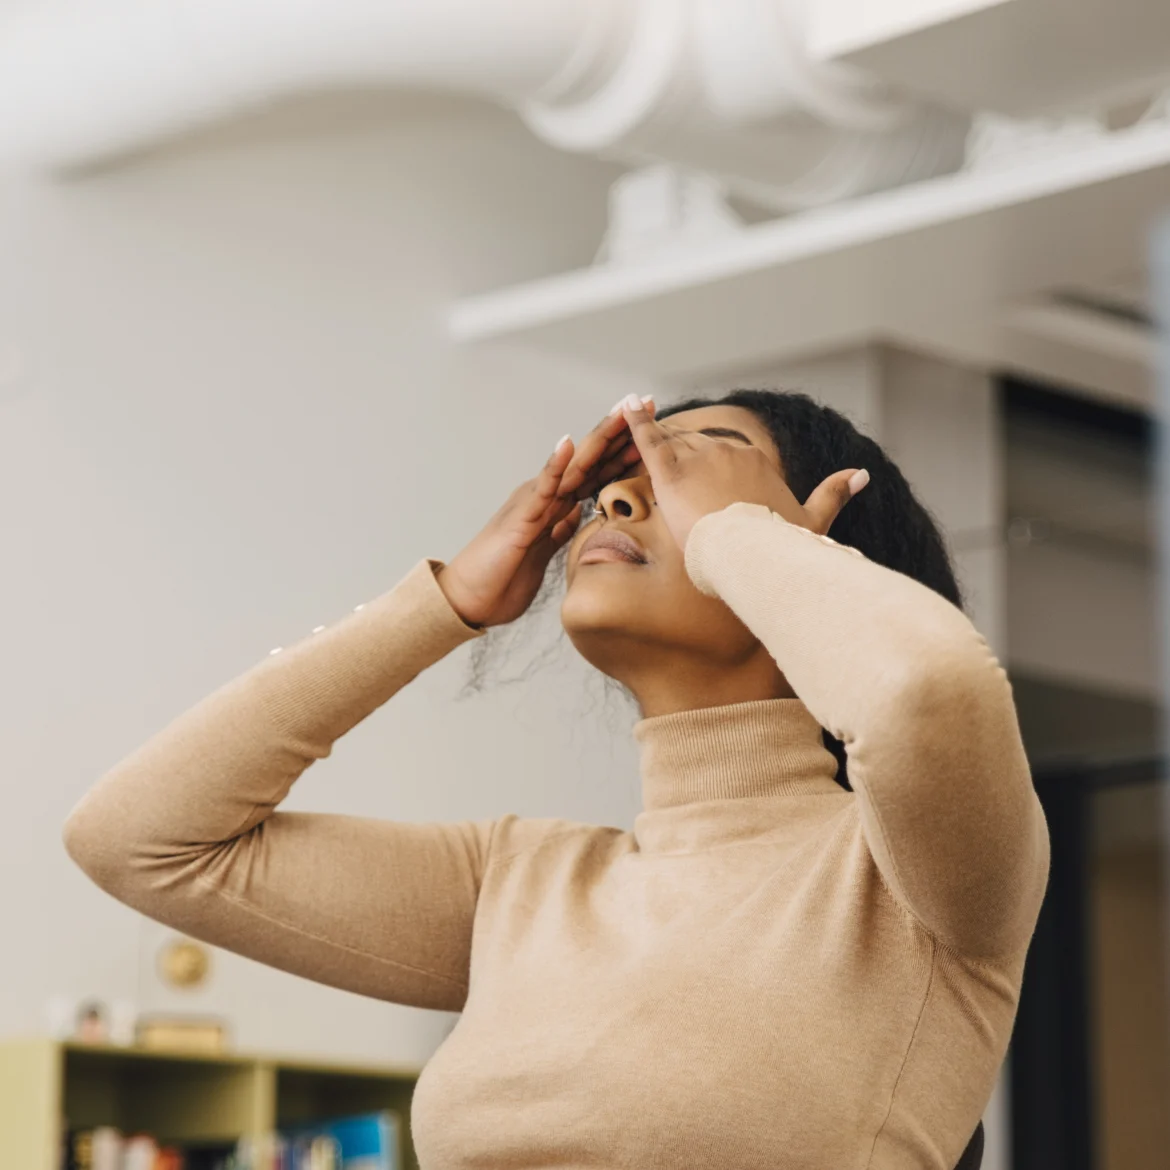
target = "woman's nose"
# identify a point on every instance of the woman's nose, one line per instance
(630, 497)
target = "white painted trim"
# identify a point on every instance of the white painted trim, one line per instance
(1081, 328)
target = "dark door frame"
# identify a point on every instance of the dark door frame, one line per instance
(1052, 1088)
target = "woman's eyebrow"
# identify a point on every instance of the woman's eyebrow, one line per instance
(724, 433)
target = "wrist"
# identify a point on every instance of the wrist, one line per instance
(450, 591)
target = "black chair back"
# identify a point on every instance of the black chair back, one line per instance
(972, 1157)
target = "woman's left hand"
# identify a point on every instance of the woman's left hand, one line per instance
(693, 475)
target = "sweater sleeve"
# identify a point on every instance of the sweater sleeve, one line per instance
(925, 711)
(184, 828)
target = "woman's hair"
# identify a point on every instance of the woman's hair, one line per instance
(886, 521)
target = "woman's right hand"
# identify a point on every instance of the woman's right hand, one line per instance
(496, 577)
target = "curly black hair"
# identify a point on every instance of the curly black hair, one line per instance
(886, 522)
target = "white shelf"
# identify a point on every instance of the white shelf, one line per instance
(944, 264)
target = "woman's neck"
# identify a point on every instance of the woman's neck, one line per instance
(687, 684)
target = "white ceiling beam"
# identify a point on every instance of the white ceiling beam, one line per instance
(938, 264)
(717, 86)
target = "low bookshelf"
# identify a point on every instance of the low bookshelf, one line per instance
(179, 1096)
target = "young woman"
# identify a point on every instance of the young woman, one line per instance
(806, 954)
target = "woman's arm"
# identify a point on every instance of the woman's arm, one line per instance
(925, 711)
(184, 829)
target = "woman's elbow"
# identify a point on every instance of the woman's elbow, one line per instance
(82, 841)
(954, 718)
(98, 843)
(961, 687)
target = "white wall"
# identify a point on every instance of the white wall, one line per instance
(229, 416)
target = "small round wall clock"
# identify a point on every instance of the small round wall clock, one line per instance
(185, 963)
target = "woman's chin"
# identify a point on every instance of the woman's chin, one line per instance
(601, 597)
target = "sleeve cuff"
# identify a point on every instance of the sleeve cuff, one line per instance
(704, 551)
(437, 599)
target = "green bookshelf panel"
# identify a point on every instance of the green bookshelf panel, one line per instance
(179, 1097)
(176, 1100)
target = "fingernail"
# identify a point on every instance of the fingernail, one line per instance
(857, 481)
(632, 402)
(647, 398)
(616, 407)
(561, 442)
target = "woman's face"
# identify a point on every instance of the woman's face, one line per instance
(631, 620)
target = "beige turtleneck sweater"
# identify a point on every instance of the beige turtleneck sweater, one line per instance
(768, 972)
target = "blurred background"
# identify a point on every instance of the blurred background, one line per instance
(293, 296)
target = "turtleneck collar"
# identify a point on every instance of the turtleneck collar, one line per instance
(696, 764)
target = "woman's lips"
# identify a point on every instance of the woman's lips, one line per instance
(607, 553)
(611, 544)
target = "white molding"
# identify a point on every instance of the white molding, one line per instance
(659, 208)
(1082, 329)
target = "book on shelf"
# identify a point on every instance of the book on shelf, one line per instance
(181, 1034)
(105, 1147)
(368, 1141)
